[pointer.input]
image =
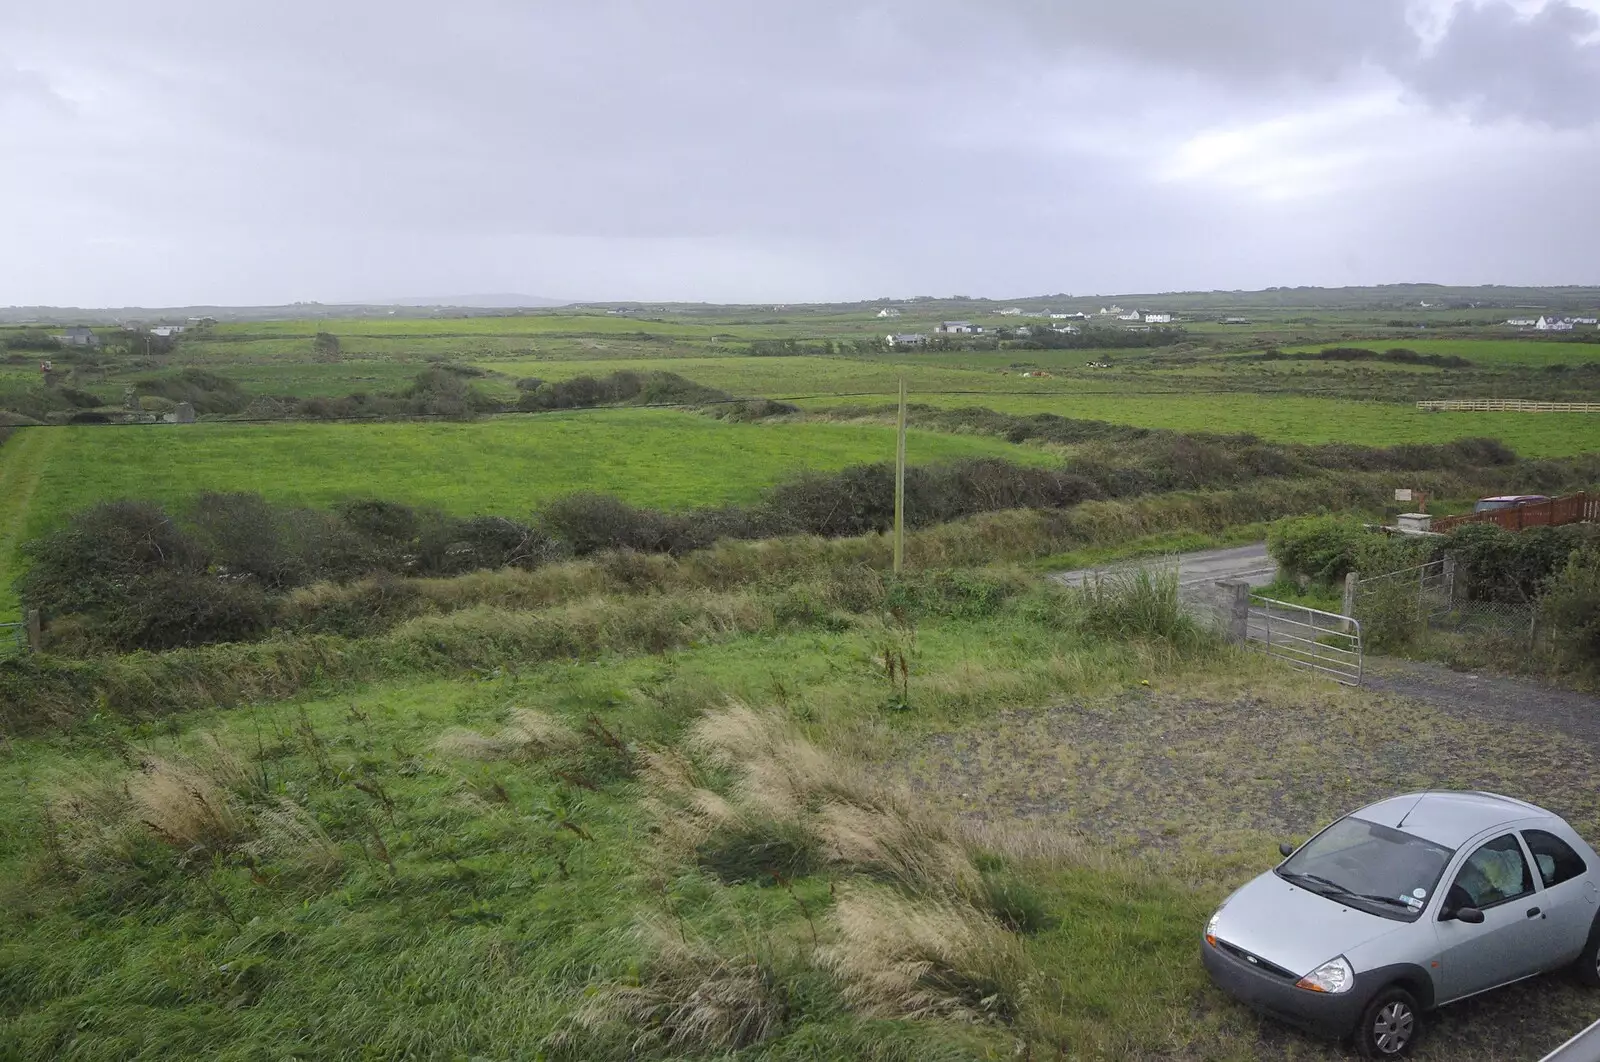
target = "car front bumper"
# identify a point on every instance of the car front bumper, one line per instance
(1331, 1016)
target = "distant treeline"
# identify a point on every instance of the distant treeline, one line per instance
(1397, 355)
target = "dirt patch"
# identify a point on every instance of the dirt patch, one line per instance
(1154, 770)
(1207, 783)
(1490, 698)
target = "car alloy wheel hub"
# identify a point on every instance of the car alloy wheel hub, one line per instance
(1392, 1030)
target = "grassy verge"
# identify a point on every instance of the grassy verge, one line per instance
(1004, 844)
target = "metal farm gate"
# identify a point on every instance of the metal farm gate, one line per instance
(1308, 638)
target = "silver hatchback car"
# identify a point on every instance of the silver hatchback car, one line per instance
(1404, 906)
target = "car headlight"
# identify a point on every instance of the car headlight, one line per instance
(1331, 977)
(1211, 928)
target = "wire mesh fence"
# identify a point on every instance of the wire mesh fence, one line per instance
(1397, 606)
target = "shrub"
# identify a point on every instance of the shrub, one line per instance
(1570, 611)
(1321, 548)
(1494, 564)
(205, 391)
(91, 563)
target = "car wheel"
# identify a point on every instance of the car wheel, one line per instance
(1389, 1025)
(1588, 964)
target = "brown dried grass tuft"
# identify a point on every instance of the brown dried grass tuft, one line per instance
(290, 833)
(689, 997)
(902, 958)
(784, 787)
(527, 735)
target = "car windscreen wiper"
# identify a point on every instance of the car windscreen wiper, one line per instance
(1294, 875)
(1340, 890)
(1390, 900)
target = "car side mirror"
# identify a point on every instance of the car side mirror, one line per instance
(1470, 915)
(1286, 849)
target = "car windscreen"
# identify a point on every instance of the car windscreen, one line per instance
(1369, 866)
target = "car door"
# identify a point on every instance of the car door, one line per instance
(1566, 898)
(1508, 944)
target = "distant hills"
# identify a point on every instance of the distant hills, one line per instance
(479, 302)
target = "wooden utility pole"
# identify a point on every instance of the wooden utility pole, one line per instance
(900, 483)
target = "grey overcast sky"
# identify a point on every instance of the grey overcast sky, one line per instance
(189, 151)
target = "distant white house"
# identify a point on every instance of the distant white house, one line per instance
(165, 331)
(952, 328)
(1113, 311)
(1521, 322)
(888, 311)
(1134, 316)
(1015, 311)
(913, 339)
(1585, 320)
(1553, 324)
(1158, 318)
(1067, 330)
(1023, 333)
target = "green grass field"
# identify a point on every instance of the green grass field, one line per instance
(504, 466)
(1292, 418)
(1485, 353)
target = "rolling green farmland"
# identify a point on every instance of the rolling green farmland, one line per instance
(506, 465)
(1291, 418)
(1485, 352)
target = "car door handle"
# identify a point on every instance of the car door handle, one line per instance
(1533, 912)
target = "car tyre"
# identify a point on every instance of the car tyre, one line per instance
(1389, 1025)
(1588, 965)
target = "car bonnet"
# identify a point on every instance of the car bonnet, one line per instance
(1296, 929)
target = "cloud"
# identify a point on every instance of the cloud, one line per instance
(724, 150)
(1496, 63)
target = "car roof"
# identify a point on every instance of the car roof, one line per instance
(1450, 818)
(1513, 497)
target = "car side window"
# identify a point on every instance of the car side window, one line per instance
(1556, 860)
(1492, 875)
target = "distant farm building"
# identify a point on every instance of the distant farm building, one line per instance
(888, 311)
(1521, 322)
(913, 339)
(1134, 316)
(1015, 311)
(953, 328)
(1066, 330)
(1158, 318)
(166, 331)
(78, 337)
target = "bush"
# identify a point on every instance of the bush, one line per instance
(205, 391)
(1320, 548)
(1570, 611)
(1494, 564)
